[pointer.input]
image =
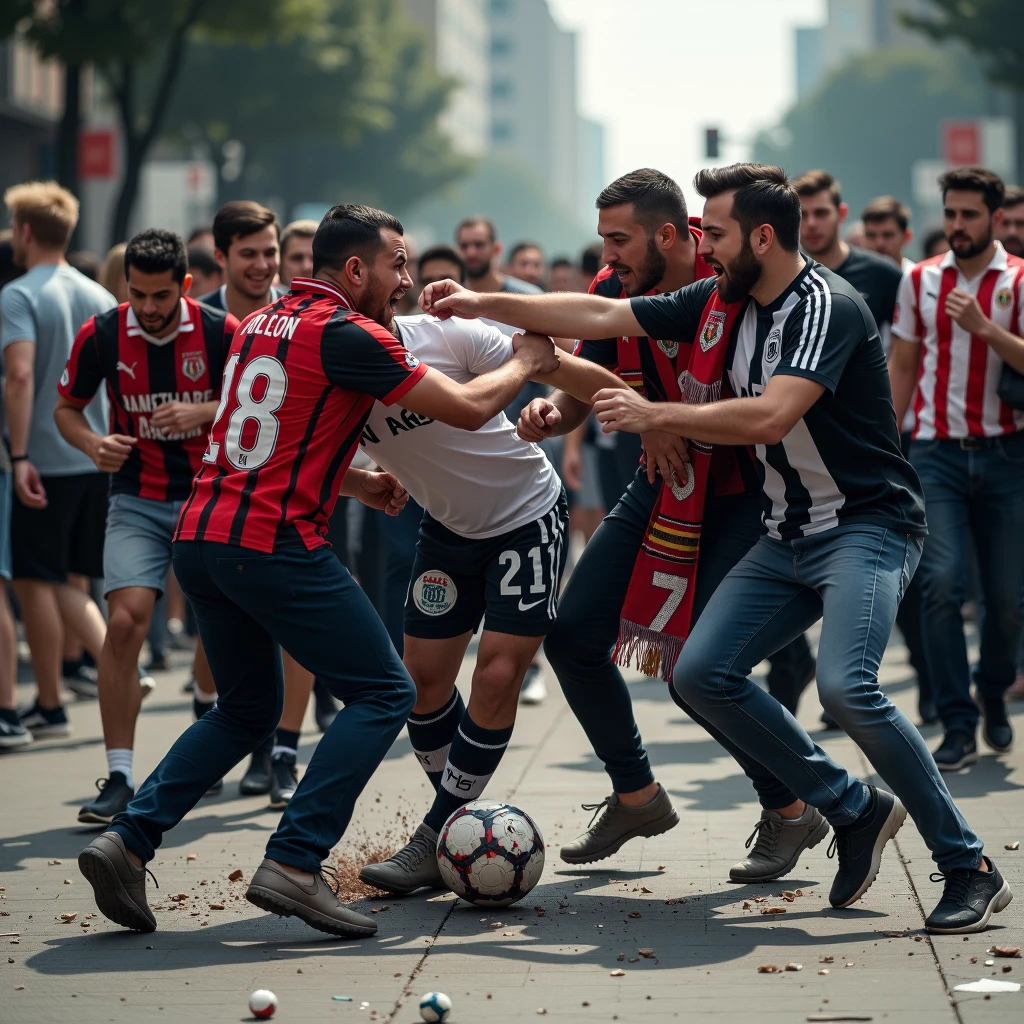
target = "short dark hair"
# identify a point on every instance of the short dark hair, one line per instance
(810, 183)
(202, 259)
(477, 221)
(9, 270)
(656, 198)
(350, 230)
(975, 179)
(156, 250)
(198, 232)
(1013, 196)
(560, 261)
(763, 195)
(931, 238)
(521, 247)
(298, 229)
(591, 259)
(883, 207)
(442, 252)
(241, 218)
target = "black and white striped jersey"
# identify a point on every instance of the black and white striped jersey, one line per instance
(842, 462)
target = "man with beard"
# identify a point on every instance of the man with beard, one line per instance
(842, 508)
(251, 554)
(1011, 230)
(959, 320)
(477, 241)
(650, 246)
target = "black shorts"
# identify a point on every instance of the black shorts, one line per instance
(66, 536)
(510, 581)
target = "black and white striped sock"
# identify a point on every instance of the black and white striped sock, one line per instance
(431, 735)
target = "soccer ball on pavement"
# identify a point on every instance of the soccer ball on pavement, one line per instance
(491, 854)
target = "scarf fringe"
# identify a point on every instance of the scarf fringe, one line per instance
(698, 393)
(656, 653)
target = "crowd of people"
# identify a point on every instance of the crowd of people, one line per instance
(322, 462)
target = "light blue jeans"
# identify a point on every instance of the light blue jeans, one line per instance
(852, 578)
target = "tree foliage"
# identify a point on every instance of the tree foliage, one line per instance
(991, 29)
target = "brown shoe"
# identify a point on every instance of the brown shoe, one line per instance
(275, 890)
(118, 885)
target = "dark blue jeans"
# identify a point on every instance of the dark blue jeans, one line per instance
(399, 534)
(580, 643)
(977, 494)
(246, 603)
(852, 578)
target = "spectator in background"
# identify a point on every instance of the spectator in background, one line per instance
(202, 236)
(297, 250)
(855, 234)
(591, 261)
(563, 276)
(12, 733)
(526, 261)
(887, 229)
(934, 243)
(440, 263)
(477, 240)
(205, 271)
(85, 262)
(1011, 231)
(60, 503)
(112, 273)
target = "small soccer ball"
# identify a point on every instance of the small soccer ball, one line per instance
(489, 853)
(435, 1006)
(263, 1003)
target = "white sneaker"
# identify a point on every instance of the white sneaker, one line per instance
(147, 684)
(13, 735)
(534, 688)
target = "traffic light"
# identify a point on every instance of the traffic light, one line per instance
(711, 141)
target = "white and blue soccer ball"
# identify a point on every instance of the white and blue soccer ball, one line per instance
(491, 854)
(435, 1006)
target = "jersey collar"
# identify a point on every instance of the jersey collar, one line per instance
(998, 261)
(134, 329)
(311, 284)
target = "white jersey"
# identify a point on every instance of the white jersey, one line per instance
(477, 483)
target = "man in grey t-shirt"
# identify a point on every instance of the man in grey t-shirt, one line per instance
(60, 498)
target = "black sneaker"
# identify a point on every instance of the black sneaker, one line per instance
(13, 735)
(969, 899)
(860, 847)
(996, 728)
(115, 795)
(44, 722)
(256, 779)
(325, 708)
(158, 663)
(957, 750)
(284, 777)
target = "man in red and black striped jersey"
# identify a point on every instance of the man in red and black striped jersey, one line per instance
(252, 556)
(650, 246)
(159, 357)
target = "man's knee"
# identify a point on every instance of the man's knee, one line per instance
(126, 627)
(496, 681)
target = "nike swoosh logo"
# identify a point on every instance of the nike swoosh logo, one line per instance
(533, 604)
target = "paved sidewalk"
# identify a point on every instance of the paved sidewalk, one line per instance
(506, 965)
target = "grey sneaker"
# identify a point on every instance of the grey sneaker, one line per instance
(614, 824)
(275, 890)
(780, 841)
(118, 885)
(284, 778)
(414, 866)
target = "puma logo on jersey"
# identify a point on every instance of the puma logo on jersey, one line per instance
(125, 368)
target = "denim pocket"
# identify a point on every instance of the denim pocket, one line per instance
(1011, 449)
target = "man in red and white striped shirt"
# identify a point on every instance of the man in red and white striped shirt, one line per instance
(959, 319)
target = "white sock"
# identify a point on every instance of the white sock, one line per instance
(120, 760)
(283, 750)
(204, 698)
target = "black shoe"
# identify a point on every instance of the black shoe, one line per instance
(996, 728)
(969, 899)
(860, 847)
(957, 750)
(326, 707)
(82, 682)
(115, 795)
(158, 664)
(44, 722)
(13, 735)
(284, 777)
(190, 686)
(256, 779)
(215, 788)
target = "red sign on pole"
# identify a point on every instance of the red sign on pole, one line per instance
(96, 154)
(961, 143)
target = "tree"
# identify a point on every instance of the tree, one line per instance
(121, 38)
(347, 112)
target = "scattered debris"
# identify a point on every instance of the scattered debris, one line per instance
(990, 963)
(849, 964)
(678, 899)
(233, 877)
(1006, 968)
(905, 934)
(768, 969)
(621, 957)
(634, 959)
(67, 881)
(773, 910)
(493, 924)
(541, 1011)
(216, 906)
(634, 913)
(988, 985)
(661, 867)
(827, 960)
(379, 910)
(67, 918)
(838, 1016)
(342, 999)
(647, 953)
(618, 974)
(789, 895)
(1013, 951)
(793, 967)
(584, 1003)
(1012, 846)
(824, 970)
(55, 862)
(19, 988)
(191, 856)
(179, 897)
(84, 924)
(746, 906)
(643, 888)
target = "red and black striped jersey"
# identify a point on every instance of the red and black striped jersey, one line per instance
(140, 376)
(299, 383)
(733, 470)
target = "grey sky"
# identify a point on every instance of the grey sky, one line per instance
(657, 72)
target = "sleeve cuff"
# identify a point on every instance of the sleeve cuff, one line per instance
(81, 403)
(896, 333)
(819, 378)
(413, 379)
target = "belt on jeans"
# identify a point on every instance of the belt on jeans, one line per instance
(977, 444)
